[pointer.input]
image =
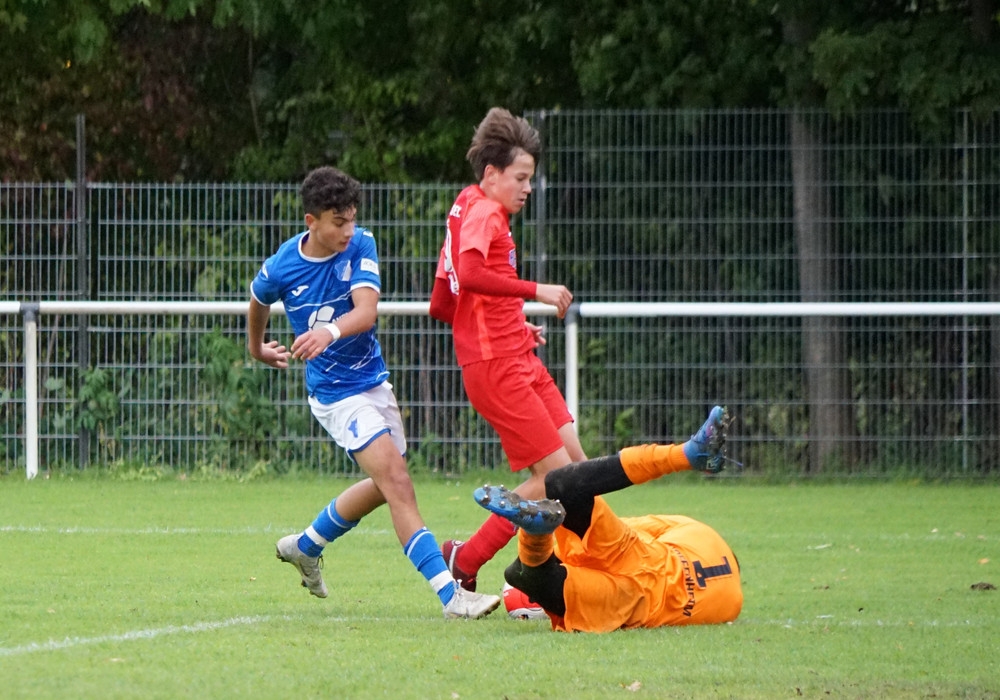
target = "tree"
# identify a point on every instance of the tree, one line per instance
(658, 54)
(156, 91)
(929, 57)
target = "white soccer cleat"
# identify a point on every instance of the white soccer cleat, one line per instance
(466, 605)
(287, 550)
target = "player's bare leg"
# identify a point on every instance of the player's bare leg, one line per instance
(382, 461)
(339, 517)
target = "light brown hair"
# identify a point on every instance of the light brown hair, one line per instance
(498, 139)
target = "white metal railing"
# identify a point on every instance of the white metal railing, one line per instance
(31, 311)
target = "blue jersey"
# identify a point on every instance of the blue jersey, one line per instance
(317, 291)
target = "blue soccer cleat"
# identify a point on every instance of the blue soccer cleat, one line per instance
(534, 517)
(706, 448)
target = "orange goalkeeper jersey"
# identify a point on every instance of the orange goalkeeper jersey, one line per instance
(649, 571)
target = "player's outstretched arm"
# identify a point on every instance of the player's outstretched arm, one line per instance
(270, 353)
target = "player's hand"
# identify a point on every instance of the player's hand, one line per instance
(537, 332)
(273, 354)
(310, 344)
(555, 295)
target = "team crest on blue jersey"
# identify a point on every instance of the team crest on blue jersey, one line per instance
(343, 270)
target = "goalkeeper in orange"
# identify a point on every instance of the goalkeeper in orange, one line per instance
(592, 571)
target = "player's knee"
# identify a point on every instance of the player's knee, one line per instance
(396, 486)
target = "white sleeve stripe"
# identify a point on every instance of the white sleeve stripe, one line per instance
(371, 285)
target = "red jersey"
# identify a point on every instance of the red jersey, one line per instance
(484, 326)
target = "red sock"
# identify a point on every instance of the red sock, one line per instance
(490, 538)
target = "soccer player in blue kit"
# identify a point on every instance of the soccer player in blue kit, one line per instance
(328, 279)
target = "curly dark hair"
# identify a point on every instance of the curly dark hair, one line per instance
(327, 188)
(499, 138)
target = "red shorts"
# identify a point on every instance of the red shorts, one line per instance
(518, 397)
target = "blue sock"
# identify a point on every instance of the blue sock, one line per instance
(327, 527)
(422, 549)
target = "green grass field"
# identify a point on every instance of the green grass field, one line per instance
(170, 589)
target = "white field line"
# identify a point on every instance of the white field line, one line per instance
(135, 635)
(84, 530)
(194, 628)
(381, 532)
(140, 635)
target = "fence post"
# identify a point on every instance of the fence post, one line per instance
(573, 363)
(30, 312)
(80, 207)
(539, 207)
(541, 202)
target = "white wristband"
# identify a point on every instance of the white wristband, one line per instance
(334, 331)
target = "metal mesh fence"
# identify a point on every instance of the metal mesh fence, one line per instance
(701, 205)
(677, 205)
(916, 400)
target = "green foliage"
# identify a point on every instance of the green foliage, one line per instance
(242, 410)
(135, 471)
(9, 419)
(926, 64)
(156, 109)
(656, 54)
(262, 90)
(98, 410)
(626, 428)
(97, 401)
(427, 457)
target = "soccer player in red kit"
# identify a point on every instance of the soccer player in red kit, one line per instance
(478, 292)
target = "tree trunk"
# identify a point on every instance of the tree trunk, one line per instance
(831, 426)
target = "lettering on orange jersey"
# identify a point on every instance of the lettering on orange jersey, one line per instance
(689, 583)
